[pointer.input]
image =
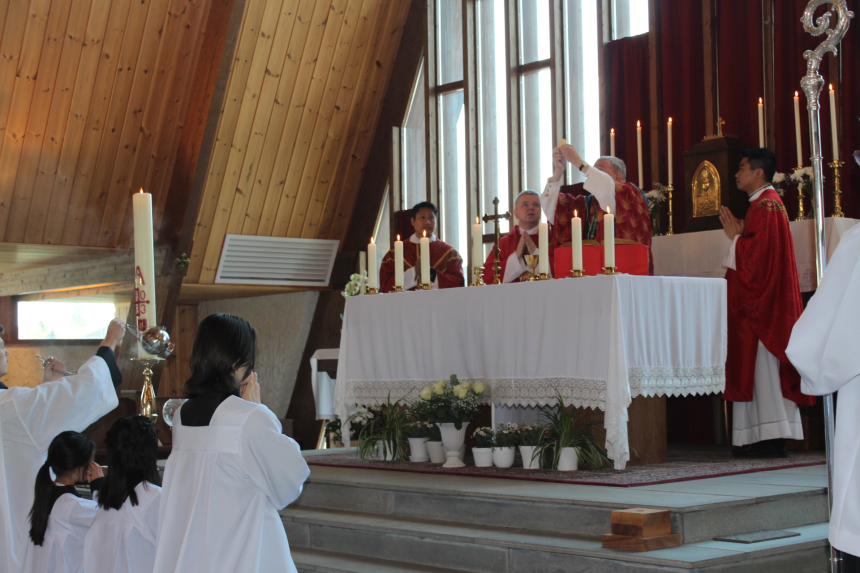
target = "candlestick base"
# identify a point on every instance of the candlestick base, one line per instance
(836, 165)
(801, 215)
(372, 291)
(610, 271)
(575, 274)
(478, 272)
(147, 406)
(398, 289)
(543, 277)
(423, 286)
(671, 230)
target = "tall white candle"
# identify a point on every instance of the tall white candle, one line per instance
(477, 243)
(797, 129)
(608, 239)
(639, 149)
(372, 276)
(543, 248)
(398, 262)
(760, 123)
(144, 265)
(669, 137)
(576, 241)
(425, 259)
(612, 142)
(834, 131)
(362, 268)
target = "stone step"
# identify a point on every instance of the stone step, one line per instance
(312, 561)
(483, 549)
(700, 509)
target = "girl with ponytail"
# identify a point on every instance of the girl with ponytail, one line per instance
(59, 518)
(122, 536)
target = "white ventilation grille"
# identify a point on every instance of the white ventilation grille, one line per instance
(276, 261)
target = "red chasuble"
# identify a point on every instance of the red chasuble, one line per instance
(632, 221)
(507, 247)
(763, 299)
(443, 257)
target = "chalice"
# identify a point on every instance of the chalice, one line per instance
(532, 262)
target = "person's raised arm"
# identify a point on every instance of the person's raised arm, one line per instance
(115, 332)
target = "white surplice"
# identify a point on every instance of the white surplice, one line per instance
(62, 550)
(598, 183)
(768, 416)
(223, 486)
(123, 540)
(825, 349)
(30, 418)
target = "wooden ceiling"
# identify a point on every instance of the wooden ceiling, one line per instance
(302, 104)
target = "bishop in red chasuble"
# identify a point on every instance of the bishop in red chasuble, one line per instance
(763, 305)
(606, 181)
(446, 265)
(521, 241)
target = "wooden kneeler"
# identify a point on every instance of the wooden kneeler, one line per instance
(640, 529)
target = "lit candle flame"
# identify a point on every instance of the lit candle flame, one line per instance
(575, 214)
(608, 212)
(371, 241)
(795, 94)
(425, 233)
(638, 125)
(759, 100)
(612, 130)
(141, 189)
(831, 87)
(670, 120)
(398, 237)
(477, 220)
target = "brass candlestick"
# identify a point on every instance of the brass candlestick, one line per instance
(398, 289)
(671, 230)
(423, 286)
(496, 218)
(575, 274)
(478, 272)
(836, 165)
(543, 277)
(801, 216)
(371, 290)
(609, 271)
(147, 406)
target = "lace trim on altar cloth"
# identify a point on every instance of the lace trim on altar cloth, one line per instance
(669, 381)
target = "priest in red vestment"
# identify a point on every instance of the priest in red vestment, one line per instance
(763, 304)
(522, 240)
(446, 265)
(606, 181)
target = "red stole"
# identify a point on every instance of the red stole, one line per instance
(443, 257)
(763, 300)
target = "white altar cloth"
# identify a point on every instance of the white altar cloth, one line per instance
(599, 341)
(701, 254)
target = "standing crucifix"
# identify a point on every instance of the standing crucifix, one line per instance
(495, 217)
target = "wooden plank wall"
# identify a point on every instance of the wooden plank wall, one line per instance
(305, 93)
(93, 94)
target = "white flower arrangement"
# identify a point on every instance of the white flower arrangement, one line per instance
(801, 174)
(779, 183)
(353, 287)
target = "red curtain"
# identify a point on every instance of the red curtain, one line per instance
(682, 53)
(627, 74)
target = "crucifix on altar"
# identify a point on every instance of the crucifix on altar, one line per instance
(496, 217)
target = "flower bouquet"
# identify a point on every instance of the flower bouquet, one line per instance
(382, 434)
(356, 281)
(506, 440)
(780, 183)
(529, 440)
(483, 449)
(656, 197)
(451, 405)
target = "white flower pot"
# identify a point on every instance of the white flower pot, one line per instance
(436, 451)
(530, 462)
(389, 451)
(504, 457)
(418, 450)
(568, 461)
(453, 439)
(462, 451)
(483, 457)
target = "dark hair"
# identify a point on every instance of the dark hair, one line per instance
(424, 205)
(1, 329)
(67, 452)
(132, 451)
(224, 344)
(764, 159)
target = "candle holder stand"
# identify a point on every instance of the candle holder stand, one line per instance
(801, 215)
(423, 286)
(543, 277)
(671, 230)
(147, 406)
(836, 165)
(610, 271)
(398, 289)
(372, 291)
(478, 273)
(575, 274)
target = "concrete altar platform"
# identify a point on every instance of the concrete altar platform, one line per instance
(356, 520)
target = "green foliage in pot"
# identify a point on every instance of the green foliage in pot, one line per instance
(484, 437)
(566, 429)
(507, 435)
(386, 426)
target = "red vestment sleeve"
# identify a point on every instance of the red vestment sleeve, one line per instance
(386, 272)
(449, 268)
(763, 300)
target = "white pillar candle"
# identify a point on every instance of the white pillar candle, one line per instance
(543, 248)
(425, 258)
(669, 137)
(639, 149)
(760, 123)
(372, 276)
(398, 262)
(144, 263)
(362, 268)
(797, 129)
(834, 131)
(576, 241)
(608, 239)
(477, 243)
(612, 142)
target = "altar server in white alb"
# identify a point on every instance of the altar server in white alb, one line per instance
(825, 349)
(60, 518)
(31, 417)
(231, 468)
(122, 536)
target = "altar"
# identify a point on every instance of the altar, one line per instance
(597, 341)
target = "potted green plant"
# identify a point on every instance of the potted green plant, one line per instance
(504, 450)
(417, 433)
(568, 440)
(483, 448)
(452, 405)
(434, 446)
(529, 440)
(382, 434)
